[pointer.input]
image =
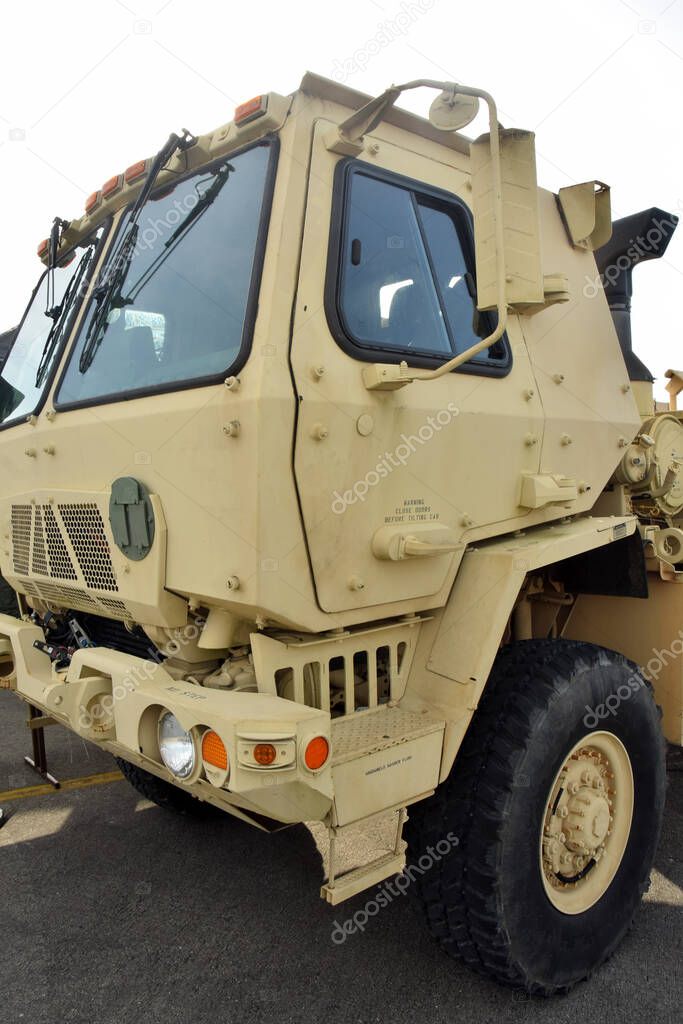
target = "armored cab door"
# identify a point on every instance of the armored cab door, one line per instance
(393, 484)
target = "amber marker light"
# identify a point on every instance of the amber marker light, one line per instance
(111, 186)
(213, 750)
(250, 110)
(92, 201)
(264, 754)
(135, 171)
(317, 752)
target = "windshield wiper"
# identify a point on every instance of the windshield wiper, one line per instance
(108, 294)
(58, 315)
(201, 206)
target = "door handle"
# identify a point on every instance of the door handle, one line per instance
(414, 548)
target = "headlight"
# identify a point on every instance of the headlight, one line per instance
(176, 747)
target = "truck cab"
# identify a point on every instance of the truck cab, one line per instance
(310, 431)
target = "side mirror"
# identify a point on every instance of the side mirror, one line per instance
(522, 235)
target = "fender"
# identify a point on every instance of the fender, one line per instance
(457, 647)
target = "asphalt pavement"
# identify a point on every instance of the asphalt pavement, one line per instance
(112, 910)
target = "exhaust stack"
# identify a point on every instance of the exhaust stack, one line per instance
(635, 239)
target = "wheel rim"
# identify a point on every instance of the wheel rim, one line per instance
(587, 822)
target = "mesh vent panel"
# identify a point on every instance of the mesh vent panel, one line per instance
(85, 528)
(60, 561)
(39, 557)
(21, 536)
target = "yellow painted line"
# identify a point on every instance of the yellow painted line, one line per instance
(87, 780)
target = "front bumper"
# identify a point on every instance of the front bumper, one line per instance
(115, 700)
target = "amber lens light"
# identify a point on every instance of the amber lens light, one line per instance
(92, 201)
(317, 752)
(111, 186)
(135, 171)
(213, 750)
(249, 110)
(264, 753)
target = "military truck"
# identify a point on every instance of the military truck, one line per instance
(333, 488)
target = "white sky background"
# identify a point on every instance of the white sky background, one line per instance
(88, 88)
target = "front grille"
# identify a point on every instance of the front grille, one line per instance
(39, 559)
(85, 528)
(64, 551)
(60, 560)
(21, 536)
(42, 535)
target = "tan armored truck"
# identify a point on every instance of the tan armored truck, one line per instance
(332, 487)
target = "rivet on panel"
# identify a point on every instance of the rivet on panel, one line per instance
(50, 415)
(49, 449)
(626, 388)
(558, 378)
(319, 432)
(565, 439)
(317, 372)
(530, 440)
(31, 452)
(232, 428)
(233, 583)
(466, 520)
(529, 394)
(32, 420)
(365, 424)
(356, 583)
(232, 383)
(622, 442)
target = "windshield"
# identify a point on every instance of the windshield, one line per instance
(40, 336)
(174, 303)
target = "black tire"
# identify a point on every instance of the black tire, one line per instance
(164, 794)
(485, 899)
(8, 599)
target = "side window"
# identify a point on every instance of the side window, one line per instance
(405, 278)
(388, 298)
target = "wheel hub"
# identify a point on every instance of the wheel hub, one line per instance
(587, 822)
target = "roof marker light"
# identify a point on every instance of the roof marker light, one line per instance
(135, 171)
(92, 201)
(111, 186)
(250, 110)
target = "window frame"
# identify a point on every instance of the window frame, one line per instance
(105, 225)
(439, 199)
(271, 142)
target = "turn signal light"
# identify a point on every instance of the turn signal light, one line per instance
(135, 171)
(43, 247)
(111, 186)
(317, 752)
(264, 754)
(92, 201)
(250, 110)
(213, 750)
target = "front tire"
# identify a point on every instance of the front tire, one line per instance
(556, 799)
(164, 794)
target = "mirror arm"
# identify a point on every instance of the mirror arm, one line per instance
(501, 305)
(389, 377)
